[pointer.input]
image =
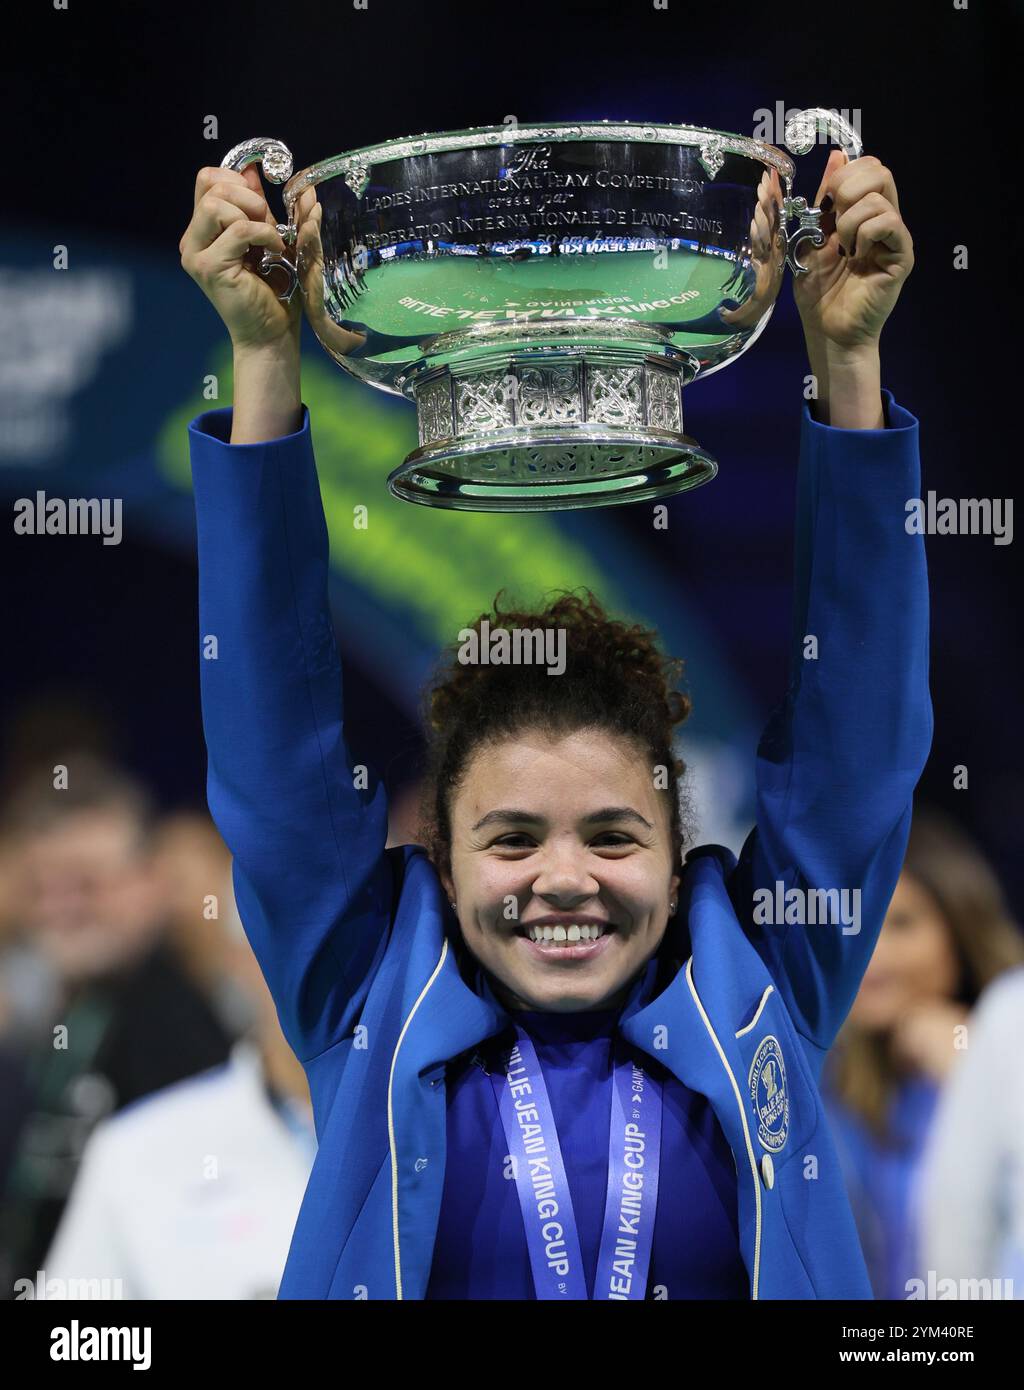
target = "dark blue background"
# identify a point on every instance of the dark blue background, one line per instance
(109, 113)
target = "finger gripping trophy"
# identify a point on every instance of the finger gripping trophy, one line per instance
(544, 293)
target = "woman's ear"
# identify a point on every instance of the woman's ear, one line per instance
(448, 884)
(673, 896)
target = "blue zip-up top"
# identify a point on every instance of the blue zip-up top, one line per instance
(481, 1249)
(363, 954)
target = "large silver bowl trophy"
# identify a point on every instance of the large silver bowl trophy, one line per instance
(544, 293)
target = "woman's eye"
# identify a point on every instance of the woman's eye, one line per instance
(611, 839)
(899, 921)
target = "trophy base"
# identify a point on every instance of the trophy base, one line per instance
(551, 428)
(561, 473)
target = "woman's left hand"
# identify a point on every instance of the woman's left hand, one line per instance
(844, 299)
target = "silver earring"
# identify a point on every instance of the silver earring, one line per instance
(451, 902)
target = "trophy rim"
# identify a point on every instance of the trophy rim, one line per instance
(357, 162)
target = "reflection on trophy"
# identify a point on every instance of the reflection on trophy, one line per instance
(544, 293)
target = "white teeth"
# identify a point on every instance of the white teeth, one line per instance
(566, 936)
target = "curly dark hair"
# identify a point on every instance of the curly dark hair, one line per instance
(615, 679)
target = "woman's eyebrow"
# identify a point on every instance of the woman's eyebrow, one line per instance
(505, 814)
(617, 813)
(607, 813)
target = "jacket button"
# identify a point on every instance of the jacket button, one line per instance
(768, 1171)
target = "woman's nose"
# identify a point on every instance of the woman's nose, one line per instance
(565, 882)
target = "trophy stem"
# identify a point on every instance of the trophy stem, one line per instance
(551, 428)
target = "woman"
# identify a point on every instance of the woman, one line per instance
(462, 1071)
(947, 935)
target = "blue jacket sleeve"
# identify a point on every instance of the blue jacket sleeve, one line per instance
(839, 759)
(307, 830)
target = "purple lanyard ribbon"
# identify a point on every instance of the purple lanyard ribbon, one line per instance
(634, 1157)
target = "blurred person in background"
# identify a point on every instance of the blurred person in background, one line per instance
(946, 935)
(65, 718)
(16, 1003)
(188, 857)
(972, 1181)
(120, 1018)
(193, 1193)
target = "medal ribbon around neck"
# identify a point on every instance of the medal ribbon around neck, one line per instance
(634, 1158)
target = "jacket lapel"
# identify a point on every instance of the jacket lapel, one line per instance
(690, 1028)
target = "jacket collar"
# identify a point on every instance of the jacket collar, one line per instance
(454, 1016)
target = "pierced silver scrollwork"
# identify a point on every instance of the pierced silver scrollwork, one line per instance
(615, 395)
(358, 179)
(434, 409)
(809, 229)
(664, 407)
(527, 465)
(482, 402)
(559, 392)
(275, 159)
(802, 130)
(711, 156)
(803, 127)
(550, 395)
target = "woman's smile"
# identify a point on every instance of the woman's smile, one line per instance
(562, 952)
(566, 937)
(564, 887)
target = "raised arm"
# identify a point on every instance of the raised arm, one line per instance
(306, 829)
(839, 760)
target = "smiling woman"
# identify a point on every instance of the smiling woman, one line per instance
(553, 814)
(565, 895)
(550, 1058)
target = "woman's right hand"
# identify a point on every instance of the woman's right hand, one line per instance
(230, 215)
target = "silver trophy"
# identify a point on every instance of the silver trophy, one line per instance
(544, 293)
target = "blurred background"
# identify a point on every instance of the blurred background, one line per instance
(106, 921)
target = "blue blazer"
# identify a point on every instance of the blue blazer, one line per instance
(362, 952)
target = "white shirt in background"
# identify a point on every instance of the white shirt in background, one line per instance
(972, 1211)
(192, 1193)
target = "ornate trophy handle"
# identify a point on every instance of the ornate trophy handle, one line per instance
(276, 161)
(800, 136)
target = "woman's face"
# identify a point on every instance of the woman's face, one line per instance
(568, 831)
(914, 962)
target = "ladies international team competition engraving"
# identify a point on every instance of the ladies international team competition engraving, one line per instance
(544, 294)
